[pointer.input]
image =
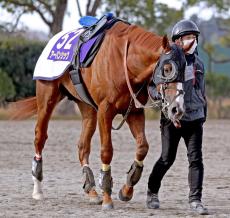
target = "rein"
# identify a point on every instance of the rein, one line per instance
(133, 95)
(127, 112)
(137, 103)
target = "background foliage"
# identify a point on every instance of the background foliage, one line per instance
(18, 53)
(7, 89)
(18, 57)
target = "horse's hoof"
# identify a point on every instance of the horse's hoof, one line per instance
(126, 193)
(94, 198)
(107, 203)
(122, 197)
(107, 206)
(38, 196)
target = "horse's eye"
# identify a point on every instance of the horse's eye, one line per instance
(167, 70)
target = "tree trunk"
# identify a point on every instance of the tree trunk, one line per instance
(58, 16)
(91, 10)
(79, 8)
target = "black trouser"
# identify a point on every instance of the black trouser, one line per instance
(192, 133)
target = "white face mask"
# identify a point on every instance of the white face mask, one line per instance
(188, 42)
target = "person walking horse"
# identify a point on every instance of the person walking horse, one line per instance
(184, 32)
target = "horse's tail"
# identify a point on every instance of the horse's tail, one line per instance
(23, 109)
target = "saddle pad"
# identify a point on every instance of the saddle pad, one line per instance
(58, 54)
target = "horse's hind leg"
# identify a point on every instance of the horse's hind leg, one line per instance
(136, 122)
(89, 123)
(48, 95)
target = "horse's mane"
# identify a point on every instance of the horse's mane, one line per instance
(143, 38)
(137, 35)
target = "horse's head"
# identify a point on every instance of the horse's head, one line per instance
(168, 77)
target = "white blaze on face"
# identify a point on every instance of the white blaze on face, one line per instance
(180, 98)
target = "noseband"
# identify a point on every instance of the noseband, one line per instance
(164, 102)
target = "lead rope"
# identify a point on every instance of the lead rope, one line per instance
(125, 116)
(137, 103)
(128, 111)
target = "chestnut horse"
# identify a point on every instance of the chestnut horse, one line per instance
(106, 82)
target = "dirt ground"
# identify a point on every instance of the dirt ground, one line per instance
(62, 184)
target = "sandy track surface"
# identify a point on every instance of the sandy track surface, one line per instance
(62, 184)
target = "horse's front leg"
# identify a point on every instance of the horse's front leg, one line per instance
(89, 123)
(105, 117)
(136, 122)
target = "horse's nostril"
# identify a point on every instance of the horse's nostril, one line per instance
(174, 110)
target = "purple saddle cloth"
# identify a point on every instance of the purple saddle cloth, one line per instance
(87, 47)
(67, 46)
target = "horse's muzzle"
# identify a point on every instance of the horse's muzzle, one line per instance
(175, 115)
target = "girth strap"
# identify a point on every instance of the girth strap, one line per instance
(81, 90)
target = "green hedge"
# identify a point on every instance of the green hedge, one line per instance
(7, 89)
(18, 57)
(218, 85)
(218, 92)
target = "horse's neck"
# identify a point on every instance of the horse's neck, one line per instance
(143, 54)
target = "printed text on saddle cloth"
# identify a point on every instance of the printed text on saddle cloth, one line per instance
(63, 49)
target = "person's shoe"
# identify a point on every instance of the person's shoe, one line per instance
(199, 208)
(152, 201)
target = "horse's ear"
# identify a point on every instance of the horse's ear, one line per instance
(165, 43)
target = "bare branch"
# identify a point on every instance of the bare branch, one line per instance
(14, 26)
(79, 8)
(43, 17)
(47, 6)
(10, 27)
(32, 8)
(95, 7)
(88, 7)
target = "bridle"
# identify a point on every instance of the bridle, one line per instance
(165, 104)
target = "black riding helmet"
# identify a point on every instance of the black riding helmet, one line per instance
(184, 27)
